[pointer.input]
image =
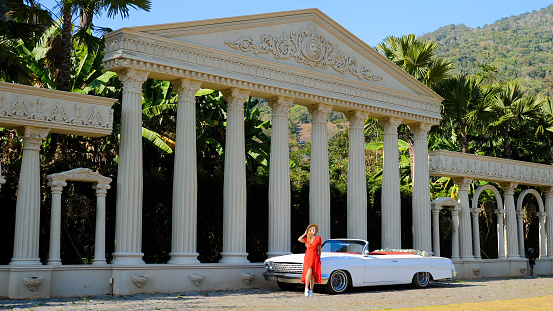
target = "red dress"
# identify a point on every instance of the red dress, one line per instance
(312, 260)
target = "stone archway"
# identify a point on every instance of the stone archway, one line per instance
(436, 206)
(541, 216)
(500, 225)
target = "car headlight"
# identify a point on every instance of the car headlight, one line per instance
(269, 266)
(454, 272)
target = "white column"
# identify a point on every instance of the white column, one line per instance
(357, 177)
(128, 218)
(279, 179)
(465, 231)
(436, 230)
(27, 210)
(391, 199)
(520, 231)
(100, 234)
(549, 222)
(475, 212)
(455, 233)
(510, 219)
(421, 188)
(543, 247)
(234, 188)
(500, 233)
(56, 184)
(185, 182)
(319, 180)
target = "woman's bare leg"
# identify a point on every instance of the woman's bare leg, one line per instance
(308, 279)
(312, 283)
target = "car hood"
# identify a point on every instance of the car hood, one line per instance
(298, 258)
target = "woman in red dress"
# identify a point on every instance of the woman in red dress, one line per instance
(312, 259)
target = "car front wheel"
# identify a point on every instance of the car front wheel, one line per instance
(338, 282)
(421, 279)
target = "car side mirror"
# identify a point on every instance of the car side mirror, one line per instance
(366, 253)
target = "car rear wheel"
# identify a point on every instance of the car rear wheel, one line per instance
(421, 279)
(338, 282)
(287, 286)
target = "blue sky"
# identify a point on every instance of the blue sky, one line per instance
(369, 20)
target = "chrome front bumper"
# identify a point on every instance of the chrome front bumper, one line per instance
(289, 277)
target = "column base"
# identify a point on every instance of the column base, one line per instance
(234, 258)
(54, 262)
(184, 259)
(99, 262)
(25, 262)
(127, 259)
(275, 254)
(467, 258)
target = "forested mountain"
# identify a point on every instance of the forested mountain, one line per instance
(513, 48)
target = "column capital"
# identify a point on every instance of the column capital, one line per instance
(520, 213)
(499, 212)
(235, 97)
(548, 191)
(320, 112)
(57, 183)
(132, 79)
(33, 137)
(475, 211)
(541, 215)
(280, 104)
(186, 88)
(101, 188)
(390, 124)
(462, 182)
(357, 118)
(509, 187)
(420, 130)
(455, 210)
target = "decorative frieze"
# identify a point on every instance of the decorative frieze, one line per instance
(62, 112)
(457, 164)
(308, 47)
(171, 57)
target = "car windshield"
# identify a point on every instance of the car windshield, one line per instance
(343, 246)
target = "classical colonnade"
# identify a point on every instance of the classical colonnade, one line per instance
(509, 174)
(184, 218)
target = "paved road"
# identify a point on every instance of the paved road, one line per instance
(368, 298)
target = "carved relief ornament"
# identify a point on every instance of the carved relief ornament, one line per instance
(308, 47)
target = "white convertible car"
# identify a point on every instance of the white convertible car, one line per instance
(348, 262)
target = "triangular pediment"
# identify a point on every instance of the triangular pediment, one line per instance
(305, 40)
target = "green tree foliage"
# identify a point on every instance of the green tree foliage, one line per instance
(519, 47)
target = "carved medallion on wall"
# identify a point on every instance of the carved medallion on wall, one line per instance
(307, 47)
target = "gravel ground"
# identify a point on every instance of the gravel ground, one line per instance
(367, 298)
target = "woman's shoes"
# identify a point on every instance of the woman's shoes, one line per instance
(307, 292)
(310, 293)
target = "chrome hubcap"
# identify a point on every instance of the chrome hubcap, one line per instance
(423, 278)
(339, 281)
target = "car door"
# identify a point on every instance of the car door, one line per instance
(379, 269)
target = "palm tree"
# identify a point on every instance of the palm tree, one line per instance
(513, 115)
(464, 106)
(416, 57)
